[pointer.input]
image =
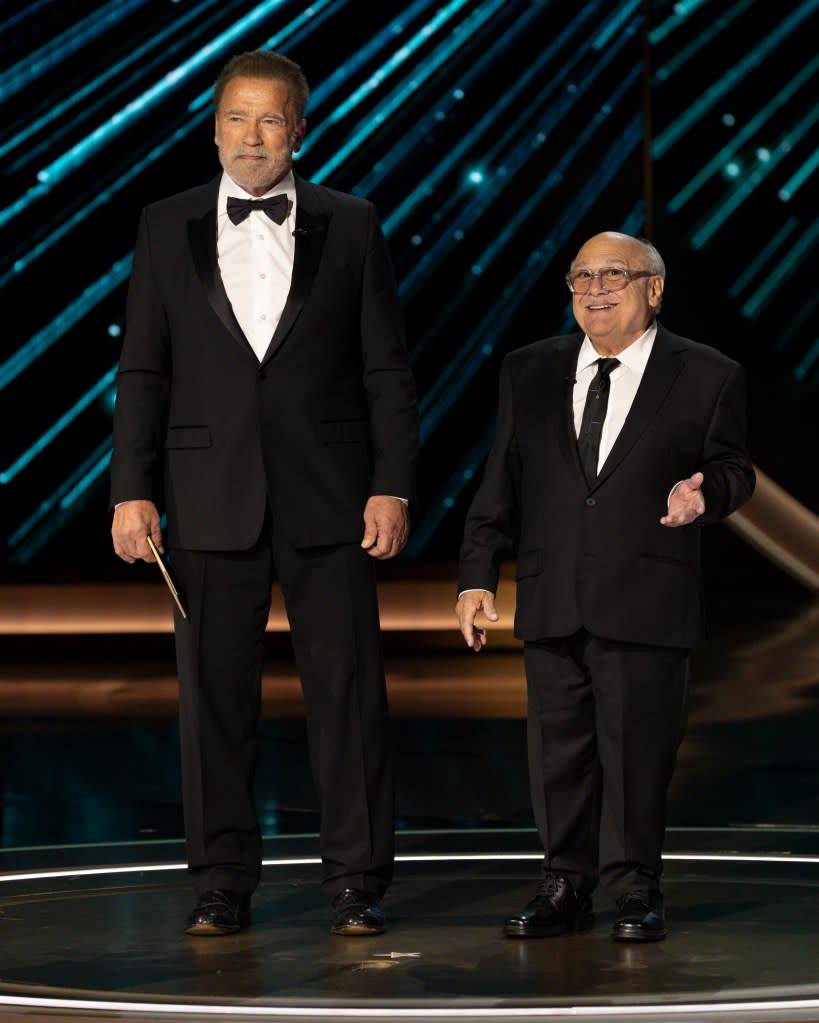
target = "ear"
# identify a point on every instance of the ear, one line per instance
(297, 137)
(216, 128)
(655, 291)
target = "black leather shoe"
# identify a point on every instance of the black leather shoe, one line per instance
(356, 912)
(219, 911)
(640, 918)
(555, 909)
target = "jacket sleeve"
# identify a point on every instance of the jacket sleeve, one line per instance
(388, 380)
(493, 520)
(143, 383)
(728, 473)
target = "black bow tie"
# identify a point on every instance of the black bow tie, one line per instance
(276, 207)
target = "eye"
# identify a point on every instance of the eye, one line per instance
(612, 273)
(582, 275)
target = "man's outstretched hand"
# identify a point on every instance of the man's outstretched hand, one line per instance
(686, 502)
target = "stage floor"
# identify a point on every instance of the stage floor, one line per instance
(93, 935)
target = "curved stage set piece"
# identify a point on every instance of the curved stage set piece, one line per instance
(104, 941)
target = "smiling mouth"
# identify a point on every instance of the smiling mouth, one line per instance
(606, 305)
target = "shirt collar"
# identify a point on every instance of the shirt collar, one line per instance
(634, 357)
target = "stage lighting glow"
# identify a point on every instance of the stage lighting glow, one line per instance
(732, 169)
(729, 120)
(475, 177)
(114, 329)
(763, 155)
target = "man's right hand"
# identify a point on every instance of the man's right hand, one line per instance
(133, 522)
(469, 604)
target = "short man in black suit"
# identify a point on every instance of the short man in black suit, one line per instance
(614, 446)
(264, 381)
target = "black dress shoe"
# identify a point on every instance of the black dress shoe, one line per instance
(356, 912)
(555, 909)
(640, 917)
(219, 911)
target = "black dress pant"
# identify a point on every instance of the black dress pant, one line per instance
(331, 604)
(605, 719)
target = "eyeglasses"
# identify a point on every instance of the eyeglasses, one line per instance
(612, 278)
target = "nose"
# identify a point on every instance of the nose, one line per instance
(596, 285)
(253, 136)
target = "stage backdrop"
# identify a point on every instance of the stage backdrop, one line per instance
(493, 135)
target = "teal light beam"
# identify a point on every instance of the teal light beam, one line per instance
(729, 205)
(797, 254)
(682, 12)
(683, 124)
(55, 51)
(71, 315)
(95, 86)
(505, 101)
(762, 258)
(411, 139)
(374, 82)
(802, 370)
(615, 23)
(28, 11)
(65, 420)
(717, 162)
(795, 324)
(793, 184)
(54, 510)
(137, 108)
(682, 57)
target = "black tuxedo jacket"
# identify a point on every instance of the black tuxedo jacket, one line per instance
(598, 558)
(327, 419)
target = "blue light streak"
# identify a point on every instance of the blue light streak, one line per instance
(762, 258)
(65, 420)
(56, 50)
(60, 325)
(505, 101)
(683, 124)
(615, 24)
(137, 108)
(687, 53)
(374, 82)
(94, 86)
(794, 183)
(795, 256)
(742, 137)
(729, 205)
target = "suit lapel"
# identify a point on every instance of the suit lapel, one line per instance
(311, 230)
(563, 369)
(663, 366)
(202, 240)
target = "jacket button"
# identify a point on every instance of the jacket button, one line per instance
(590, 501)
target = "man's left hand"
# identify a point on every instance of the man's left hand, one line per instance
(686, 502)
(386, 527)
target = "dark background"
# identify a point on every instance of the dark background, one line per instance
(494, 136)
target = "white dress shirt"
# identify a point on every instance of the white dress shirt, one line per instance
(256, 261)
(624, 381)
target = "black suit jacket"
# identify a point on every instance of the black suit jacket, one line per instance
(327, 419)
(598, 557)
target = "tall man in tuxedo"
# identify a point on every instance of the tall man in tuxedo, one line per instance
(614, 446)
(264, 380)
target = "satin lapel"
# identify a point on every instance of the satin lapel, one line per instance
(563, 369)
(311, 230)
(202, 238)
(663, 366)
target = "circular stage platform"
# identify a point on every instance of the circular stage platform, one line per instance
(83, 940)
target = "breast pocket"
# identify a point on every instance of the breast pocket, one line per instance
(188, 437)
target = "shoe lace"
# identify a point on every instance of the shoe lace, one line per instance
(550, 886)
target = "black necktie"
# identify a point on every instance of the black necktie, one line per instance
(276, 207)
(594, 412)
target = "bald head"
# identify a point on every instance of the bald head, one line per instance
(642, 253)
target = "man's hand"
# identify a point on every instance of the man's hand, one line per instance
(386, 527)
(469, 604)
(686, 502)
(133, 521)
